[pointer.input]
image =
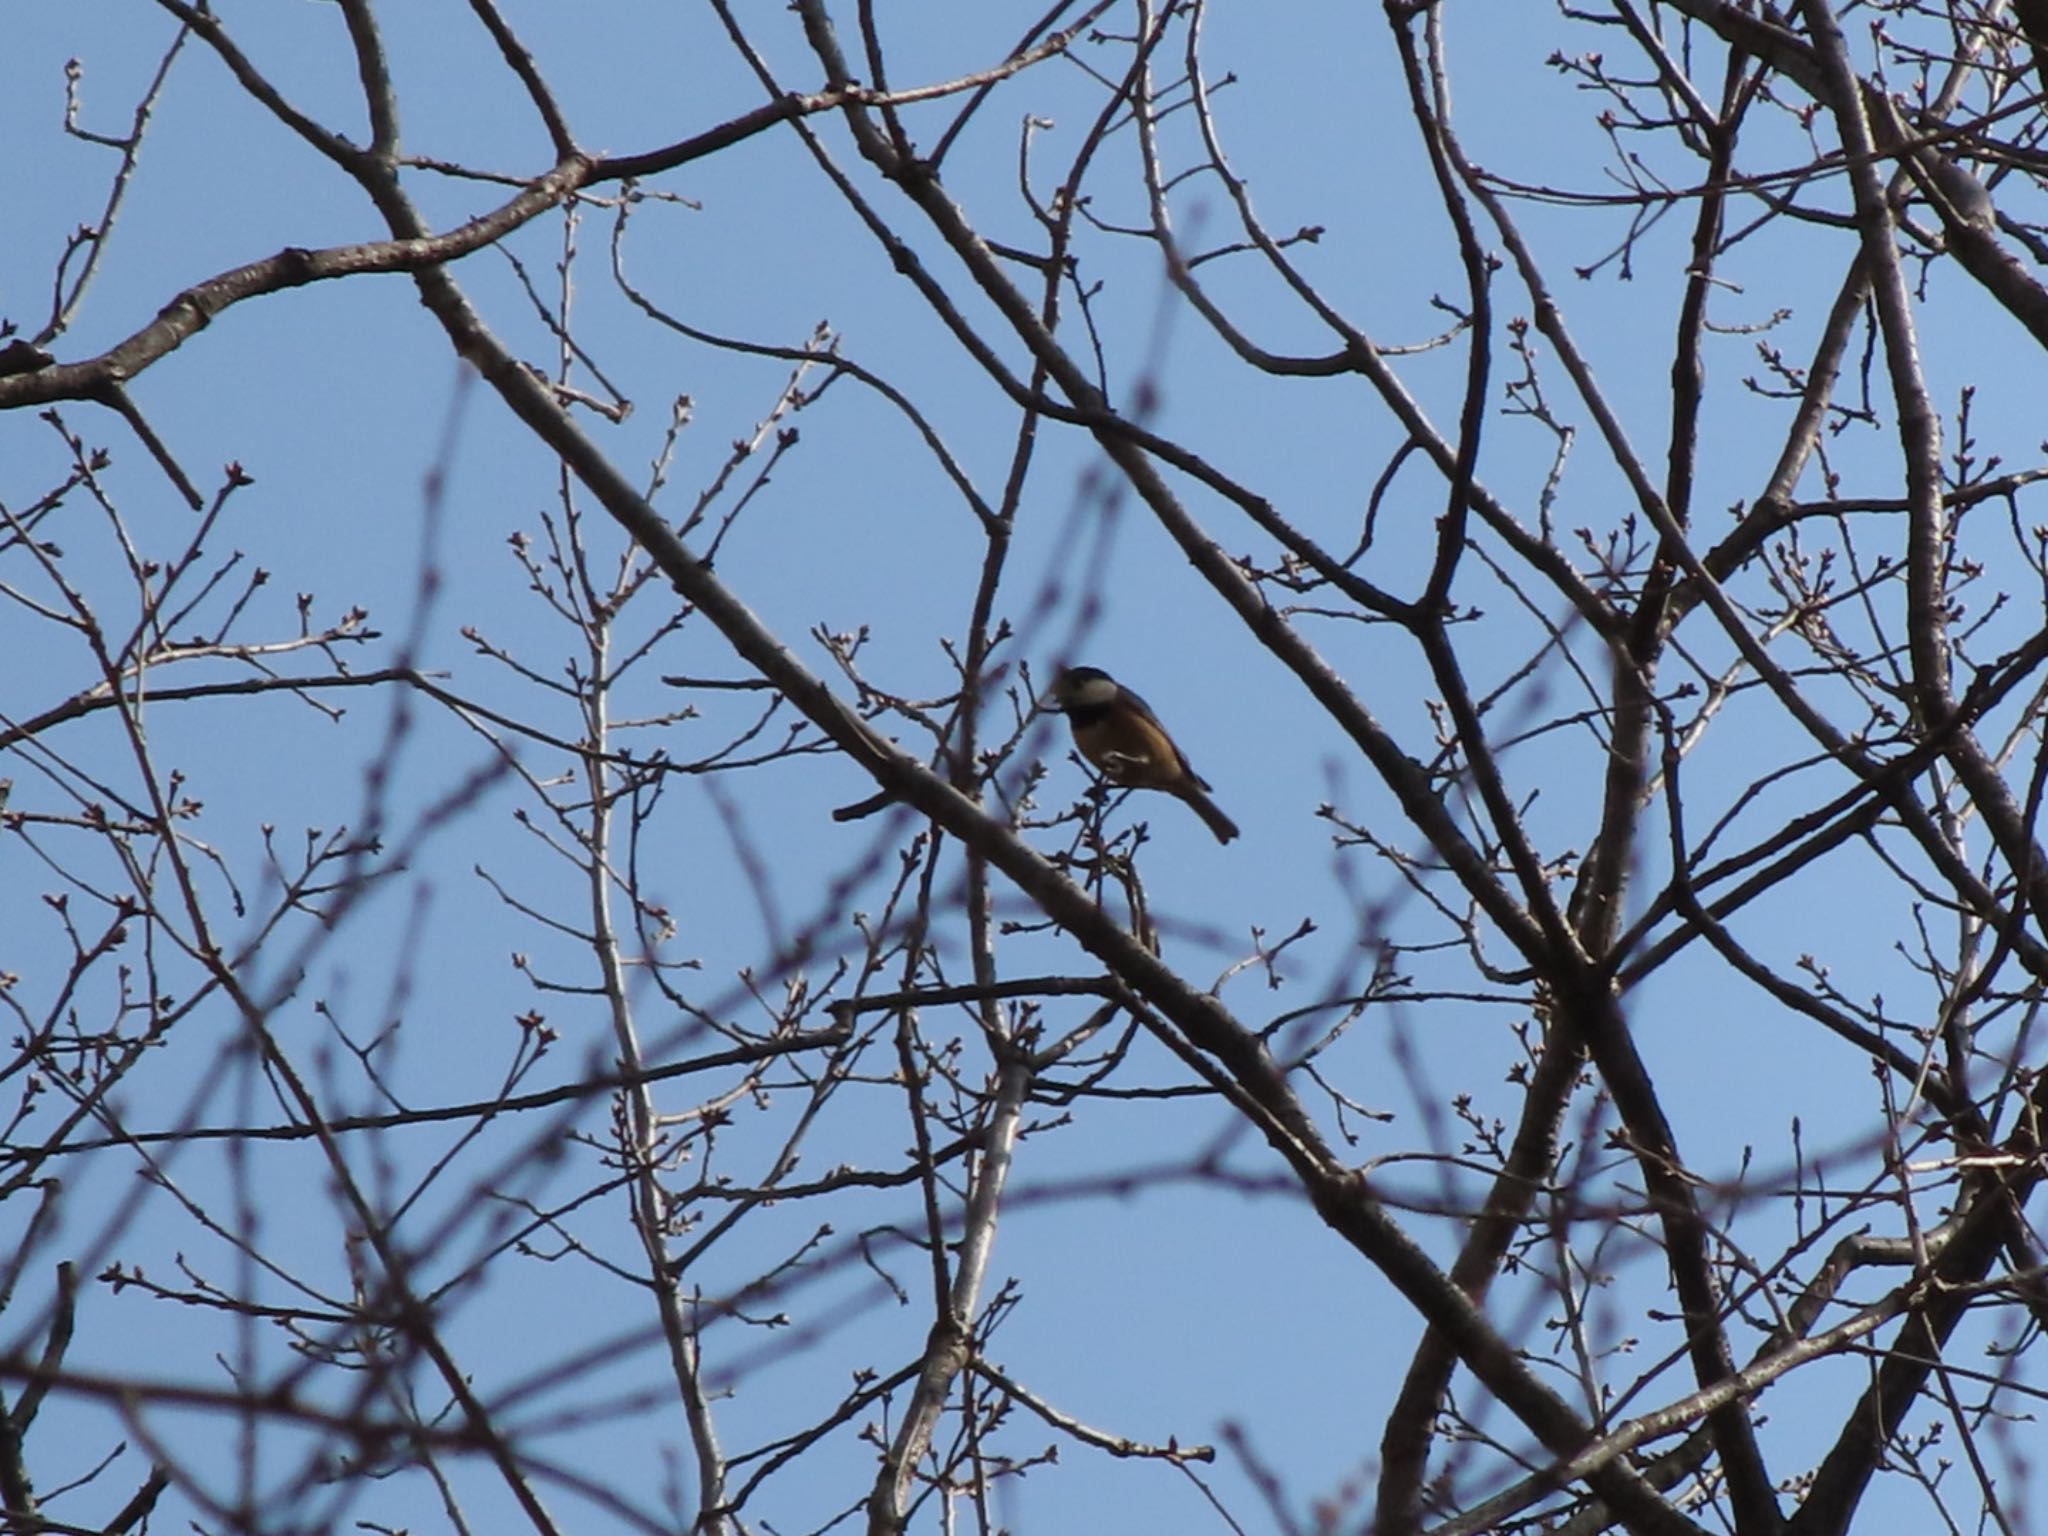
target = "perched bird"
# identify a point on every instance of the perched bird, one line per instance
(1117, 732)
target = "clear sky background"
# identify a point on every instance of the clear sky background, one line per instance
(1180, 1308)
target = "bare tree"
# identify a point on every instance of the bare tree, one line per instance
(464, 1076)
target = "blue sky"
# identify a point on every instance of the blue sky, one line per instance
(1172, 1312)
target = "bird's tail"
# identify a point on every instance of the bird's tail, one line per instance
(1212, 815)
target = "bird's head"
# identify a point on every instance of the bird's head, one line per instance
(1082, 688)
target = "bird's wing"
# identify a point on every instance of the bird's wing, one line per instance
(1167, 736)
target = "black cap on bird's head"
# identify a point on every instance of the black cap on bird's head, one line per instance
(1082, 687)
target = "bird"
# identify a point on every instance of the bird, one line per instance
(1117, 732)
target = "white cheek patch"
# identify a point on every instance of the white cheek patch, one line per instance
(1093, 693)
